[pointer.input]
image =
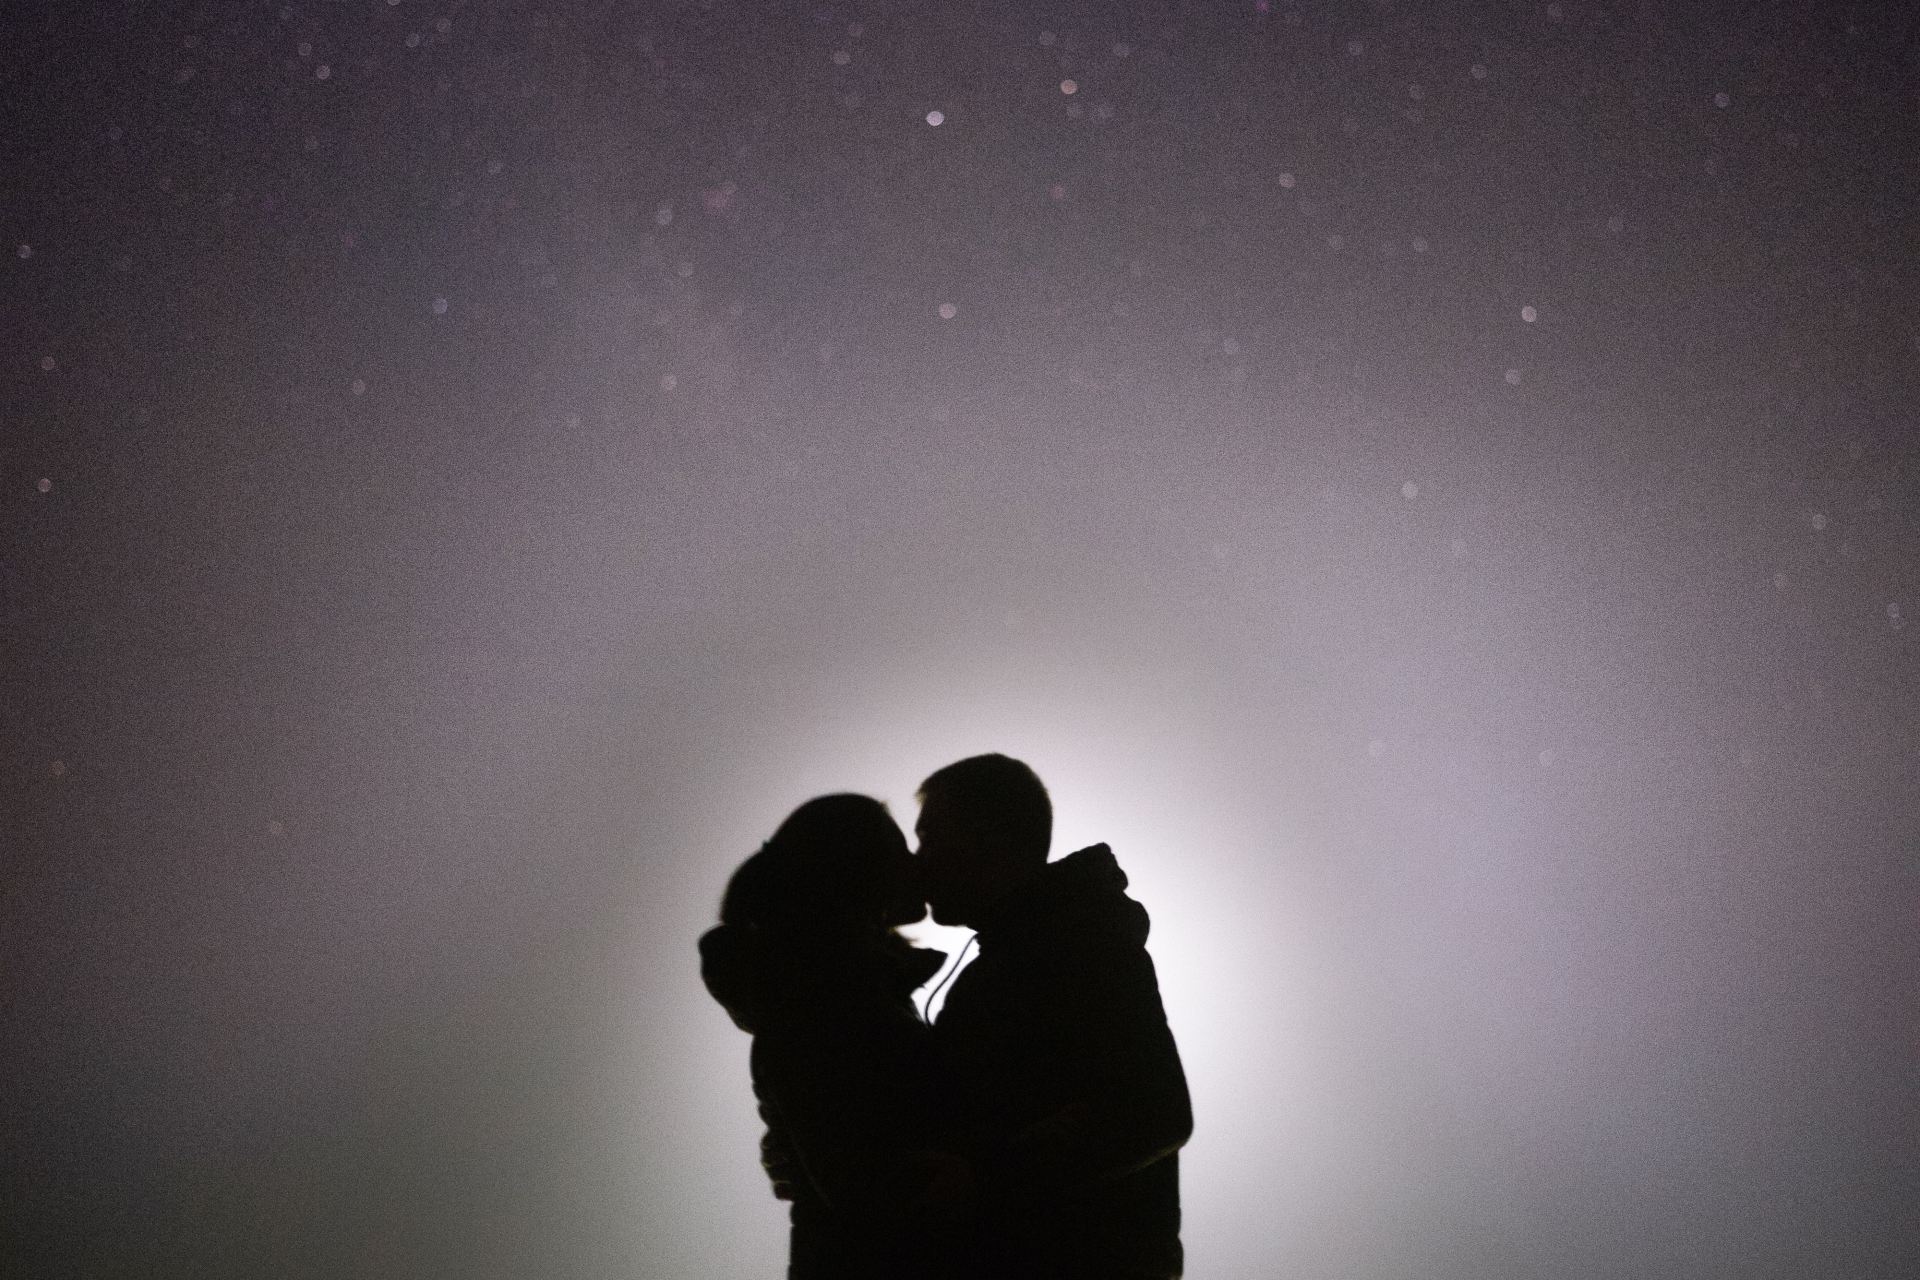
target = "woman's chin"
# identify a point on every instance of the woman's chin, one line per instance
(948, 914)
(907, 913)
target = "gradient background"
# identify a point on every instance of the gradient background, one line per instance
(469, 469)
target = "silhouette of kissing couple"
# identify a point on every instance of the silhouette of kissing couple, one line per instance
(1031, 1131)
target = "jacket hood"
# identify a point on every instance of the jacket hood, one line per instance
(1083, 893)
(726, 967)
(754, 973)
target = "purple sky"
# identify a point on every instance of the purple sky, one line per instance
(1434, 485)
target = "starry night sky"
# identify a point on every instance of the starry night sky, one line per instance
(1433, 484)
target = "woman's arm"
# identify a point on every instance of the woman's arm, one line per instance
(851, 1102)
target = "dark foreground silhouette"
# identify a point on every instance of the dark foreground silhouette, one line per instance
(805, 961)
(1032, 1131)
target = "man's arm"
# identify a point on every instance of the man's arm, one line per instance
(1128, 1106)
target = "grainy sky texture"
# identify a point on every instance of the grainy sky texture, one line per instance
(1432, 484)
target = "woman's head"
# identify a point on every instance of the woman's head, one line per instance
(837, 860)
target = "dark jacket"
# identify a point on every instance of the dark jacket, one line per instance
(843, 1070)
(1056, 1040)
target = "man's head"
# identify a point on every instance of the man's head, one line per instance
(985, 826)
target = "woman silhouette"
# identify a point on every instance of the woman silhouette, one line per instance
(806, 960)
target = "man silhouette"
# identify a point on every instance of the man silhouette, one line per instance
(1054, 1038)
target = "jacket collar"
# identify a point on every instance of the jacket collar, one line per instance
(1086, 884)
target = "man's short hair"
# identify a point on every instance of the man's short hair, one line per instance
(997, 798)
